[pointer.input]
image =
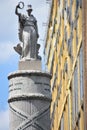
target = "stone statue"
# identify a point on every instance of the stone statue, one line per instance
(28, 34)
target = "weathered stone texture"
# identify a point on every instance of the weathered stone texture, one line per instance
(29, 100)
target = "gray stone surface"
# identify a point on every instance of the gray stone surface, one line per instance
(30, 64)
(29, 100)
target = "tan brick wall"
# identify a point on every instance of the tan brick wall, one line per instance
(64, 55)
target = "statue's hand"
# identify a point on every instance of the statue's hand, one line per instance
(18, 6)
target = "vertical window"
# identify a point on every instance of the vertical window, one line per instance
(70, 45)
(81, 73)
(75, 96)
(80, 3)
(77, 5)
(76, 89)
(70, 12)
(73, 104)
(58, 2)
(76, 36)
(62, 123)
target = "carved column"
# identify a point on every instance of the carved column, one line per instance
(29, 97)
(29, 100)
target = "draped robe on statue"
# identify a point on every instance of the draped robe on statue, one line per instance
(28, 34)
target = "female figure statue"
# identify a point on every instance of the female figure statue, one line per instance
(28, 33)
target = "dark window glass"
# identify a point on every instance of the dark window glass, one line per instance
(81, 74)
(62, 123)
(76, 89)
(75, 96)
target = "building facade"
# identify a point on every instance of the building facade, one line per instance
(66, 59)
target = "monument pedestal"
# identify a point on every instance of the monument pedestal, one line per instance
(29, 98)
(30, 65)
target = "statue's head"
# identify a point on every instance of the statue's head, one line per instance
(29, 8)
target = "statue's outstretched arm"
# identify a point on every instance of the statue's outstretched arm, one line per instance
(16, 10)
